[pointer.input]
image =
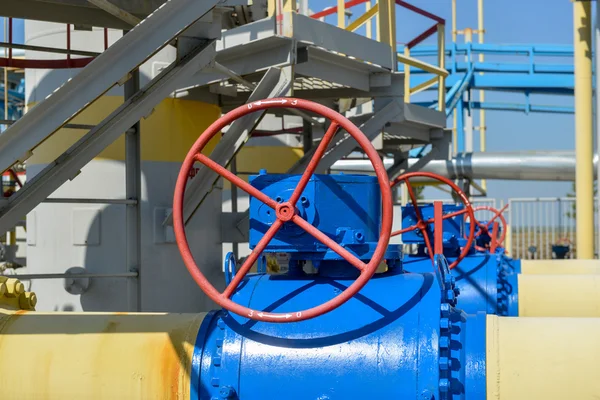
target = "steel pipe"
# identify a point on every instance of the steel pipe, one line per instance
(534, 166)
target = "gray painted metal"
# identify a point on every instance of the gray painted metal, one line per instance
(330, 37)
(116, 11)
(84, 13)
(74, 276)
(133, 191)
(346, 144)
(275, 83)
(57, 200)
(17, 142)
(67, 165)
(45, 49)
(532, 166)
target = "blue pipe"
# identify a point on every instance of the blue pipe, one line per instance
(398, 339)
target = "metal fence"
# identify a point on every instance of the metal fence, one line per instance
(536, 224)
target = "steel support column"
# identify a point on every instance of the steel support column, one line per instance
(133, 191)
(582, 13)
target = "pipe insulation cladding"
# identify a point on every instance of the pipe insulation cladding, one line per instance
(529, 166)
(198, 356)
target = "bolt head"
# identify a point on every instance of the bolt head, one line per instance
(444, 342)
(445, 363)
(444, 385)
(445, 310)
(445, 324)
(226, 392)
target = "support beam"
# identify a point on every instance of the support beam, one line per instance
(116, 12)
(18, 141)
(344, 146)
(133, 193)
(582, 13)
(68, 165)
(386, 29)
(275, 83)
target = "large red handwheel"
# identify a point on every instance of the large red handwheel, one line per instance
(485, 228)
(422, 224)
(285, 212)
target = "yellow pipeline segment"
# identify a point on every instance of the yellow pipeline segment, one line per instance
(96, 355)
(542, 358)
(566, 267)
(559, 295)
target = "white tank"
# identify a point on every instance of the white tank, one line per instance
(61, 237)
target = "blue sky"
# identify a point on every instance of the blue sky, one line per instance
(506, 22)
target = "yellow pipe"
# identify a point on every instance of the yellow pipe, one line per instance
(406, 76)
(369, 24)
(386, 24)
(341, 14)
(433, 69)
(441, 31)
(560, 267)
(542, 358)
(482, 122)
(559, 295)
(424, 85)
(454, 21)
(96, 355)
(584, 176)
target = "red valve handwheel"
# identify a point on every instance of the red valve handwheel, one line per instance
(285, 212)
(485, 228)
(422, 224)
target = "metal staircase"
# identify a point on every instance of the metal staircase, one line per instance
(287, 54)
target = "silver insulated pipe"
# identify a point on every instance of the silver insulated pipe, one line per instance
(522, 166)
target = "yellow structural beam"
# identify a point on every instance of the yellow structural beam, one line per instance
(424, 85)
(564, 267)
(363, 19)
(542, 358)
(406, 76)
(413, 62)
(584, 150)
(386, 25)
(341, 13)
(559, 295)
(287, 6)
(441, 32)
(108, 356)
